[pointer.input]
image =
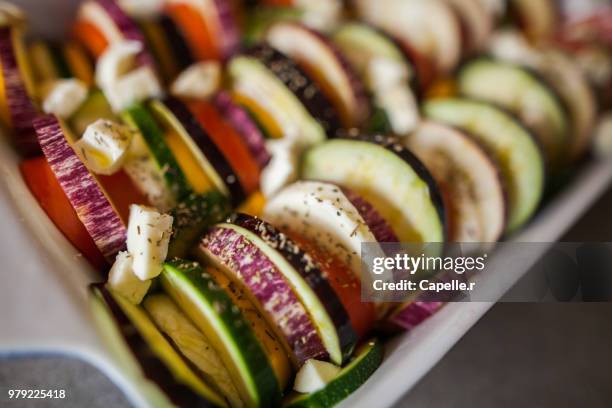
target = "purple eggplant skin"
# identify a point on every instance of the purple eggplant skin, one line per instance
(310, 271)
(20, 106)
(302, 86)
(129, 29)
(266, 283)
(246, 127)
(153, 368)
(380, 228)
(208, 148)
(411, 314)
(180, 49)
(83, 191)
(230, 36)
(394, 145)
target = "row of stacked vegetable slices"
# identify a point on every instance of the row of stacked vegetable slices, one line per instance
(229, 162)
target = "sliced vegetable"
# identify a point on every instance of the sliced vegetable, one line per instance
(476, 23)
(429, 26)
(95, 107)
(233, 249)
(212, 311)
(210, 26)
(180, 50)
(192, 217)
(78, 62)
(230, 143)
(322, 213)
(143, 351)
(517, 90)
(44, 186)
(139, 118)
(411, 314)
(326, 65)
(309, 283)
(511, 145)
(21, 111)
(389, 177)
(344, 282)
(246, 127)
(298, 108)
(212, 161)
(82, 189)
(278, 358)
(469, 178)
(368, 358)
(387, 72)
(129, 29)
(177, 140)
(192, 344)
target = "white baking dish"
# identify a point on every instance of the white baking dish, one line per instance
(43, 296)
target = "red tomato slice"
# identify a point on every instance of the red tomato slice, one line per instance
(346, 285)
(122, 193)
(195, 30)
(44, 186)
(229, 141)
(91, 38)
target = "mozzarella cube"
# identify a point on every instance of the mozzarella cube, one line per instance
(118, 59)
(314, 375)
(133, 87)
(283, 168)
(63, 97)
(104, 146)
(147, 240)
(123, 281)
(199, 81)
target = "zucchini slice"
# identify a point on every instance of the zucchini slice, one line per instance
(388, 176)
(213, 312)
(367, 359)
(525, 95)
(143, 351)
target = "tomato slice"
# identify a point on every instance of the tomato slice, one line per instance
(122, 193)
(91, 38)
(344, 282)
(44, 187)
(229, 141)
(195, 30)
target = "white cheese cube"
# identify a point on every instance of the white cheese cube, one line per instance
(199, 81)
(123, 281)
(104, 146)
(282, 169)
(314, 375)
(135, 86)
(147, 240)
(63, 97)
(118, 59)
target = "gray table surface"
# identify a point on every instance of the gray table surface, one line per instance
(528, 355)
